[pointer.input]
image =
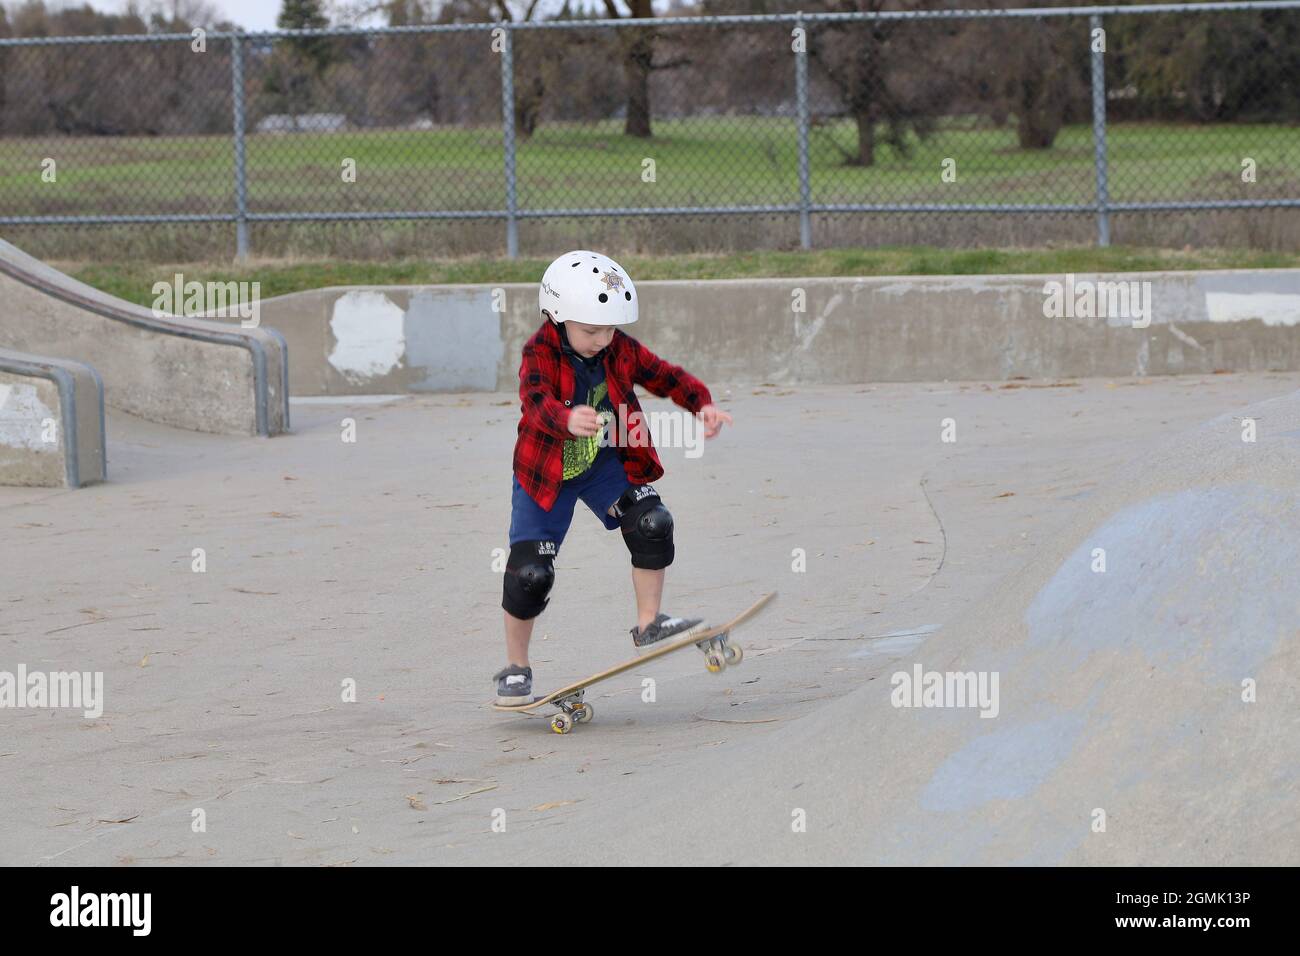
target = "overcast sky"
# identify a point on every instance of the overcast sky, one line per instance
(249, 14)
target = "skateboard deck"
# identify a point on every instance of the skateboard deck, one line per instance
(715, 642)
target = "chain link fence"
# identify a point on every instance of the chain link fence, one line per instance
(785, 127)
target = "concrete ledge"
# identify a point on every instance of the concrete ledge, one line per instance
(378, 340)
(51, 422)
(190, 373)
(386, 339)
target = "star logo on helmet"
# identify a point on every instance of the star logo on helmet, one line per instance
(612, 280)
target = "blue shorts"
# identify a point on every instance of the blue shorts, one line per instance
(598, 487)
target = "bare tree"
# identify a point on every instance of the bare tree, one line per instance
(638, 55)
(6, 31)
(533, 72)
(1039, 74)
(890, 74)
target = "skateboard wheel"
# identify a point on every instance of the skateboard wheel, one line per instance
(583, 713)
(733, 654)
(714, 662)
(561, 724)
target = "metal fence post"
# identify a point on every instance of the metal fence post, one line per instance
(1099, 135)
(508, 140)
(241, 166)
(801, 109)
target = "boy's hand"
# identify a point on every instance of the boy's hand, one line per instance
(583, 421)
(713, 418)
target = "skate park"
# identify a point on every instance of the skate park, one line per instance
(966, 341)
(924, 469)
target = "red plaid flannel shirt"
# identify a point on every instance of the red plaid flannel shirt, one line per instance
(546, 392)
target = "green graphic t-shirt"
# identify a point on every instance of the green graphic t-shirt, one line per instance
(589, 389)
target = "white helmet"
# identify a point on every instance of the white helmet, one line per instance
(587, 287)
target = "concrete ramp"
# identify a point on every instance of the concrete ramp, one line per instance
(1147, 709)
(51, 422)
(190, 373)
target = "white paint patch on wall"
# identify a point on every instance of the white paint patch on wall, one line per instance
(22, 419)
(1271, 308)
(368, 338)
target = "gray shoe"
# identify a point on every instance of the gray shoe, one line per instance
(514, 686)
(662, 628)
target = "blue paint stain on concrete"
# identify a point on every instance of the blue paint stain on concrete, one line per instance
(1004, 765)
(1170, 560)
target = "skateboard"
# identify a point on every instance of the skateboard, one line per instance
(714, 642)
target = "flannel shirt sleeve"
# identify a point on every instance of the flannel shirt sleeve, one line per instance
(537, 384)
(669, 381)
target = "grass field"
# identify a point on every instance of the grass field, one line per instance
(133, 280)
(702, 161)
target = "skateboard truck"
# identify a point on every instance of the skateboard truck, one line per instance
(720, 653)
(573, 711)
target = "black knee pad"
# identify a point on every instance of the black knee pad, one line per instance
(530, 573)
(647, 528)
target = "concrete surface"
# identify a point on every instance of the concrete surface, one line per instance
(1123, 699)
(191, 373)
(51, 422)
(372, 561)
(396, 339)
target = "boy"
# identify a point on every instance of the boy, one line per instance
(575, 383)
